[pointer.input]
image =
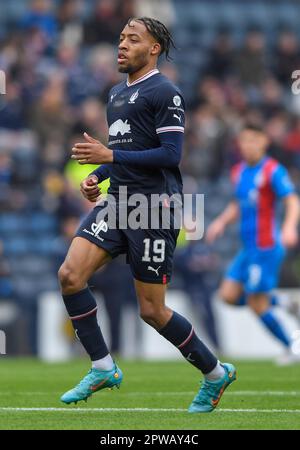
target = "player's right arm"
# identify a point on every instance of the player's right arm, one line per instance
(285, 190)
(217, 228)
(89, 186)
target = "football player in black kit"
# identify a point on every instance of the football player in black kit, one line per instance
(145, 116)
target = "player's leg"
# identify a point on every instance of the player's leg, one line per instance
(231, 290)
(175, 328)
(93, 246)
(262, 278)
(82, 260)
(180, 332)
(260, 304)
(151, 258)
(287, 302)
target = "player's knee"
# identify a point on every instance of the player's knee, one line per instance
(258, 306)
(226, 296)
(153, 315)
(69, 281)
(148, 314)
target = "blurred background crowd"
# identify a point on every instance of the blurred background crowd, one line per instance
(233, 62)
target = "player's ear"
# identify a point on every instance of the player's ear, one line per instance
(156, 49)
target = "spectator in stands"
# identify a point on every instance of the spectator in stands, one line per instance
(250, 61)
(287, 57)
(105, 23)
(6, 288)
(69, 19)
(40, 16)
(220, 63)
(292, 145)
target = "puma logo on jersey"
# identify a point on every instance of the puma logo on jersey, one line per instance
(119, 127)
(177, 117)
(154, 270)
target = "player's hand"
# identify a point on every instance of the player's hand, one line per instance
(91, 152)
(90, 189)
(214, 231)
(289, 236)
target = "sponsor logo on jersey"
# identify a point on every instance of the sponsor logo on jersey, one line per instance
(97, 228)
(119, 127)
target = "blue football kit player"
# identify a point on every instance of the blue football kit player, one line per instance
(145, 116)
(259, 181)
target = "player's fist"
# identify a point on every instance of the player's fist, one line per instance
(89, 188)
(289, 236)
(214, 231)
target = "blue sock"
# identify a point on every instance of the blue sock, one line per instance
(274, 300)
(274, 326)
(181, 333)
(82, 309)
(242, 301)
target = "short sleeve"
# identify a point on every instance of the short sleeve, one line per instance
(281, 182)
(169, 109)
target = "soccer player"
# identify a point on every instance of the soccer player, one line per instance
(258, 181)
(145, 116)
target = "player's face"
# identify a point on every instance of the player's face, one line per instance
(136, 48)
(253, 145)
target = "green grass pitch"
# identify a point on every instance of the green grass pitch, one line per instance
(153, 395)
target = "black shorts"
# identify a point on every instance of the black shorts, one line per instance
(149, 251)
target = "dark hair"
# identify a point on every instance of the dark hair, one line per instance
(159, 31)
(253, 127)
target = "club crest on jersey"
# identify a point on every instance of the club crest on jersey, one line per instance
(259, 179)
(119, 127)
(133, 97)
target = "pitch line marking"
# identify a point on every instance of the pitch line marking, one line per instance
(173, 393)
(233, 393)
(220, 410)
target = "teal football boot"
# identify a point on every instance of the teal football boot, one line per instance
(94, 381)
(211, 392)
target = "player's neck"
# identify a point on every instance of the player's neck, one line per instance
(257, 161)
(132, 77)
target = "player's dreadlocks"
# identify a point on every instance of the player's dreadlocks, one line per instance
(159, 31)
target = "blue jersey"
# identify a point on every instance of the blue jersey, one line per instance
(256, 189)
(139, 116)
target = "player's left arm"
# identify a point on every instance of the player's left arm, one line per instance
(289, 232)
(168, 107)
(284, 189)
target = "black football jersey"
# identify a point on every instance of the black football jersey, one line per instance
(138, 114)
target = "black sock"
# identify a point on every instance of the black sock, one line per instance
(82, 309)
(181, 333)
